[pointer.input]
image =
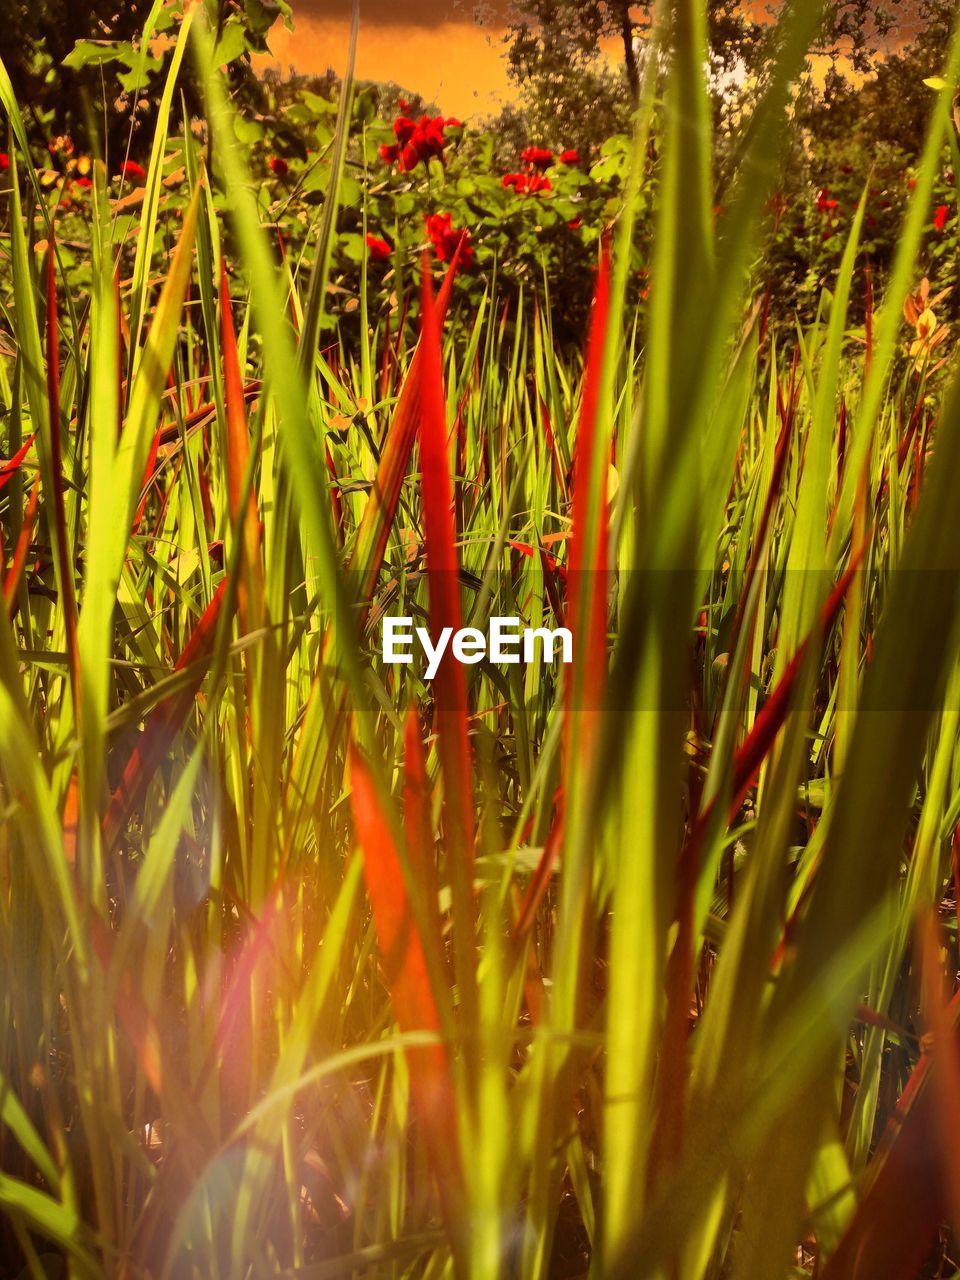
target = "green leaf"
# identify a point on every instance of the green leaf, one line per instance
(87, 53)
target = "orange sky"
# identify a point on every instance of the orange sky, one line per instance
(437, 50)
(458, 65)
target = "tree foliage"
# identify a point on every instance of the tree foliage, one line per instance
(55, 52)
(577, 63)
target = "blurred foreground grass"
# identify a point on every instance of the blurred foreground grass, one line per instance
(309, 967)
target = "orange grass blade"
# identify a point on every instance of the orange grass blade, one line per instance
(336, 495)
(587, 583)
(238, 438)
(450, 687)
(381, 507)
(250, 593)
(416, 820)
(149, 475)
(407, 978)
(10, 468)
(11, 584)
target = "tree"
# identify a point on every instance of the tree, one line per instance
(570, 95)
(893, 104)
(36, 39)
(559, 55)
(55, 52)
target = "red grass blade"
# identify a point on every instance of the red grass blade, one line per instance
(10, 468)
(416, 821)
(170, 433)
(587, 583)
(149, 473)
(11, 583)
(539, 882)
(238, 439)
(250, 585)
(756, 746)
(904, 1204)
(407, 978)
(164, 721)
(336, 495)
(381, 507)
(450, 688)
(759, 741)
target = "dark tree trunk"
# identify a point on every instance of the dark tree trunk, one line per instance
(629, 53)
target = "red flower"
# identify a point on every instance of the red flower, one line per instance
(537, 158)
(4, 162)
(940, 217)
(417, 140)
(571, 157)
(130, 169)
(279, 167)
(824, 203)
(526, 184)
(82, 182)
(445, 239)
(452, 122)
(403, 129)
(575, 223)
(379, 250)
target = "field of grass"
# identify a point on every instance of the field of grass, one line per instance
(644, 966)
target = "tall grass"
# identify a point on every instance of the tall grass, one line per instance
(311, 967)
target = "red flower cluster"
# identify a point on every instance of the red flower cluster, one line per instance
(940, 217)
(4, 162)
(378, 249)
(130, 169)
(824, 203)
(571, 157)
(527, 184)
(446, 238)
(537, 158)
(279, 167)
(417, 140)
